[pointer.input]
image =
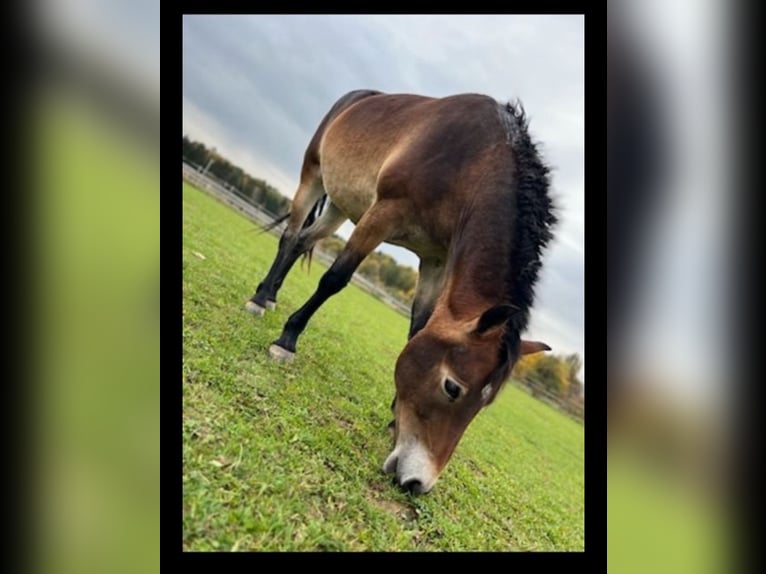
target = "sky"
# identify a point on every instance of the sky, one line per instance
(682, 338)
(255, 87)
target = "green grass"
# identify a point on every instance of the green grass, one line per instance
(648, 507)
(287, 457)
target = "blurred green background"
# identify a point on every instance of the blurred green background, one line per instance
(96, 234)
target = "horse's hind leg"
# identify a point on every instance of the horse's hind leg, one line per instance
(310, 191)
(375, 227)
(327, 224)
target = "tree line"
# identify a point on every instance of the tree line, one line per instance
(554, 376)
(254, 190)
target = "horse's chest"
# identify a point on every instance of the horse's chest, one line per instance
(413, 237)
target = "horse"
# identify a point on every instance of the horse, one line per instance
(459, 182)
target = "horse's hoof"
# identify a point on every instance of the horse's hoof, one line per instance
(254, 308)
(271, 305)
(280, 354)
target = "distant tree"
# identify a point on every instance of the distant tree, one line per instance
(525, 366)
(551, 372)
(397, 276)
(256, 192)
(573, 364)
(556, 375)
(195, 152)
(274, 202)
(406, 279)
(370, 268)
(332, 245)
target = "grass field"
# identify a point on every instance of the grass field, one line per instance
(287, 457)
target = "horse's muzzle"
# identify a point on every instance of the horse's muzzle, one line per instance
(412, 467)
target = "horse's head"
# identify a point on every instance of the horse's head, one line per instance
(446, 374)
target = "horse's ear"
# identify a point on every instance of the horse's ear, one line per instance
(493, 318)
(529, 347)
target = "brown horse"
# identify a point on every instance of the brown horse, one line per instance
(459, 182)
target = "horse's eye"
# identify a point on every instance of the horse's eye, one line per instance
(452, 389)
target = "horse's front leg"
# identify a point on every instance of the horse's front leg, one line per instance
(430, 285)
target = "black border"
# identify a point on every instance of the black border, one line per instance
(19, 285)
(746, 288)
(595, 467)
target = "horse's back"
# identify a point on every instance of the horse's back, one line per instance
(404, 145)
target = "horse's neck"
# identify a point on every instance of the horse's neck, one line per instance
(477, 270)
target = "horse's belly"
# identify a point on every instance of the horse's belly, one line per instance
(353, 194)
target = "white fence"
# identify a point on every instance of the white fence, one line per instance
(234, 198)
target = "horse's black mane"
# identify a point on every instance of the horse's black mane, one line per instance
(535, 219)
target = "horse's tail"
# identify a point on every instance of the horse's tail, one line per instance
(316, 211)
(314, 214)
(274, 223)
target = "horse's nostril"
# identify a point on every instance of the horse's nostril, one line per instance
(413, 486)
(389, 467)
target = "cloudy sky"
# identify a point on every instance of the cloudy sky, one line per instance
(256, 87)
